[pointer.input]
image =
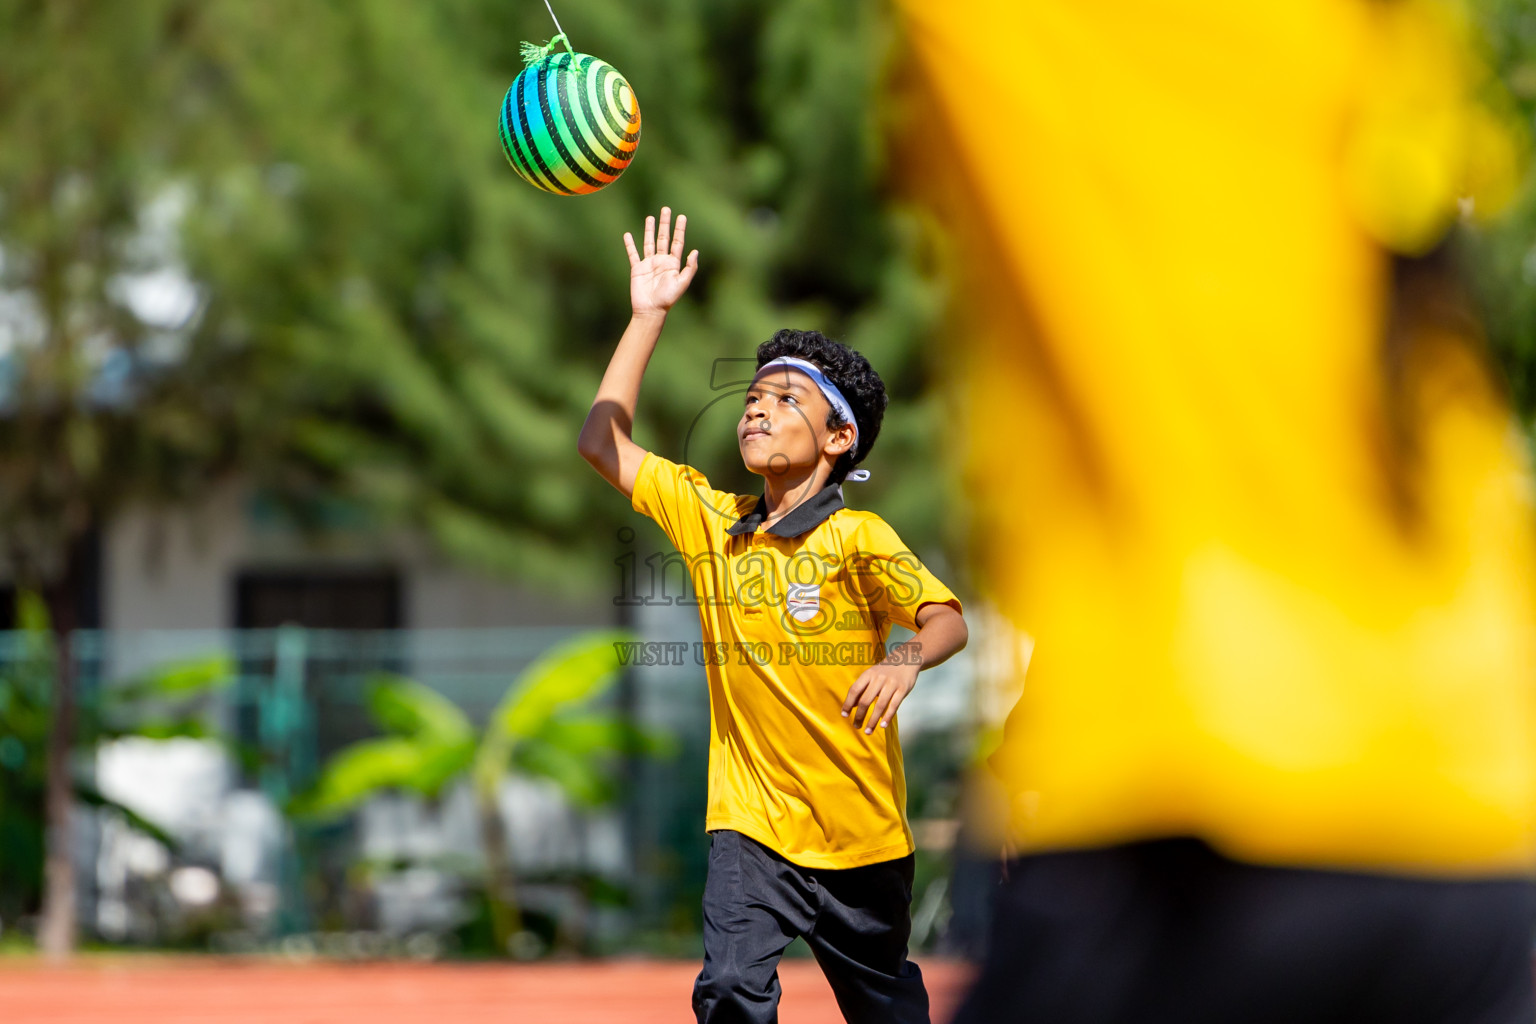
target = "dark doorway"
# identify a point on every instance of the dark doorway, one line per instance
(330, 599)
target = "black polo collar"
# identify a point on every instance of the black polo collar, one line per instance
(804, 517)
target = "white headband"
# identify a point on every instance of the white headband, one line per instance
(833, 396)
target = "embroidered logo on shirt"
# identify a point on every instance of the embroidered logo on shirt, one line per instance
(804, 600)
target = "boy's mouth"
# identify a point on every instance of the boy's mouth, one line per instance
(752, 432)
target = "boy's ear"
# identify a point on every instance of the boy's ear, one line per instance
(839, 441)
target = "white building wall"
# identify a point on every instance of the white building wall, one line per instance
(172, 570)
(177, 570)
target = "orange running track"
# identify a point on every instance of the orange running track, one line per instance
(141, 990)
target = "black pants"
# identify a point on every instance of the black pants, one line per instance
(1172, 931)
(856, 921)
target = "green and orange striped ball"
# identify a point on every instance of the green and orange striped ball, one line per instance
(570, 124)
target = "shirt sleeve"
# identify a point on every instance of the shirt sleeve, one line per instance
(679, 498)
(893, 580)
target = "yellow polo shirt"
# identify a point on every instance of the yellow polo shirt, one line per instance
(791, 616)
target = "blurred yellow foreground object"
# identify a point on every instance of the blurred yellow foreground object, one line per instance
(1251, 491)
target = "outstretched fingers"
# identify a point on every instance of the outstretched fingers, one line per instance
(650, 237)
(689, 269)
(629, 244)
(677, 238)
(664, 231)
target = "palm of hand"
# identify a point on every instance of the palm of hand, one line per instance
(656, 282)
(659, 279)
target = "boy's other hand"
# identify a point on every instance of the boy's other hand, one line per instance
(877, 693)
(659, 279)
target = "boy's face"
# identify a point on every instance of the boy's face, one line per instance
(783, 428)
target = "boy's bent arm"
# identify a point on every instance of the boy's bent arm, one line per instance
(656, 281)
(877, 693)
(941, 632)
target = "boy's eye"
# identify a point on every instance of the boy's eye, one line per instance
(791, 398)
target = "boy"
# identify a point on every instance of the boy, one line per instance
(807, 812)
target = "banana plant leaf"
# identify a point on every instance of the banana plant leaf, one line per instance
(92, 797)
(404, 707)
(570, 674)
(431, 743)
(182, 680)
(543, 727)
(393, 762)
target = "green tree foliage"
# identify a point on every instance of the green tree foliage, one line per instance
(544, 727)
(383, 312)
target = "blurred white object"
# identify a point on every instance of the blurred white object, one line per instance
(194, 886)
(177, 784)
(250, 840)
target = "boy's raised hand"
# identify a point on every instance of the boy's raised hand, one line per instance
(660, 278)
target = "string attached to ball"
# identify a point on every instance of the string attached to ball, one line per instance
(570, 123)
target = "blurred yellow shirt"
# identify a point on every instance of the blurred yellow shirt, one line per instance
(1278, 570)
(791, 616)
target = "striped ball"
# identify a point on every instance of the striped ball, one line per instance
(570, 124)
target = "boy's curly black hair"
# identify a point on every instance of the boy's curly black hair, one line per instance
(852, 374)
